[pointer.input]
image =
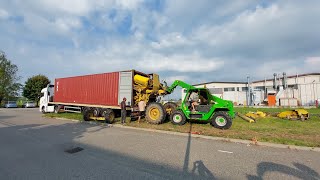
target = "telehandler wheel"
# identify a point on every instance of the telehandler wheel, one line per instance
(178, 118)
(169, 108)
(87, 113)
(221, 120)
(109, 115)
(155, 113)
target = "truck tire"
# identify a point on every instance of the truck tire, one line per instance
(87, 113)
(109, 115)
(96, 112)
(221, 120)
(57, 109)
(169, 108)
(42, 110)
(155, 113)
(178, 118)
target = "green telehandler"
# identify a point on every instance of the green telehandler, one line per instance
(211, 109)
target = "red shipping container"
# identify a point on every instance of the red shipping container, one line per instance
(96, 89)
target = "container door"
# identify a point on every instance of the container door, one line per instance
(125, 87)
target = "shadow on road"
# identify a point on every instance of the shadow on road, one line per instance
(41, 150)
(199, 169)
(6, 117)
(300, 171)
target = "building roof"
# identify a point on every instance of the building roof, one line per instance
(293, 76)
(231, 82)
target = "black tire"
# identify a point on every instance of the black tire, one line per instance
(178, 118)
(169, 108)
(87, 113)
(221, 120)
(56, 109)
(109, 115)
(96, 112)
(155, 113)
(43, 110)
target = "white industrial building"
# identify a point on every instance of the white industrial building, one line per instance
(281, 90)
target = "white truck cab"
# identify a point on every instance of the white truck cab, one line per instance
(46, 97)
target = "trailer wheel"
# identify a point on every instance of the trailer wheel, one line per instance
(178, 118)
(96, 112)
(87, 113)
(109, 115)
(169, 107)
(221, 120)
(155, 113)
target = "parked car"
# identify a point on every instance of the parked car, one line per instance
(29, 104)
(11, 104)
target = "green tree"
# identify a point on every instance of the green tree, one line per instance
(34, 85)
(9, 86)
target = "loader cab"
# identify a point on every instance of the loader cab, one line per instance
(204, 104)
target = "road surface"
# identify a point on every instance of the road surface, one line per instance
(33, 147)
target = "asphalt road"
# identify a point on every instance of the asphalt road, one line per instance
(33, 147)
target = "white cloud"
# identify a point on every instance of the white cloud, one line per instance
(3, 14)
(67, 24)
(171, 40)
(179, 63)
(129, 4)
(212, 40)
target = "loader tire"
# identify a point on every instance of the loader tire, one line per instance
(178, 118)
(221, 120)
(87, 113)
(109, 115)
(155, 113)
(169, 108)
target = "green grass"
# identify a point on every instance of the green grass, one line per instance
(75, 116)
(269, 129)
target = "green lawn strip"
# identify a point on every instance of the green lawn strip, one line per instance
(269, 129)
(75, 116)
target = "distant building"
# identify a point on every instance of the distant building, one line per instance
(281, 90)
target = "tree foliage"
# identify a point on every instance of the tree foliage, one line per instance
(9, 86)
(34, 85)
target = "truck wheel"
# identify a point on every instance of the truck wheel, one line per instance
(56, 109)
(87, 113)
(178, 118)
(109, 115)
(221, 120)
(42, 110)
(155, 113)
(169, 107)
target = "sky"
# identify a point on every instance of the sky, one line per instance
(194, 41)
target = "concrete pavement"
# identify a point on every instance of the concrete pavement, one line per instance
(33, 147)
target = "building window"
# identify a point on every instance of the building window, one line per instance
(228, 89)
(260, 87)
(215, 90)
(244, 88)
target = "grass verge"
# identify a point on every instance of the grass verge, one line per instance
(269, 129)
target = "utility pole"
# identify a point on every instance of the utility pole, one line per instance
(248, 92)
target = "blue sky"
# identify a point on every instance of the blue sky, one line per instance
(194, 41)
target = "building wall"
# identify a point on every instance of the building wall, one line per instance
(306, 89)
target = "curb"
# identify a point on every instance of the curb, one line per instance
(247, 142)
